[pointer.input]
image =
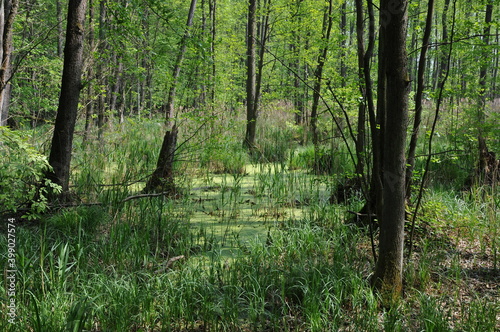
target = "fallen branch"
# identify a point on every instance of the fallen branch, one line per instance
(145, 195)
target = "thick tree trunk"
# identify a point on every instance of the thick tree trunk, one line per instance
(388, 275)
(162, 179)
(62, 140)
(8, 11)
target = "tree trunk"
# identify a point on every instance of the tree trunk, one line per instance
(263, 33)
(213, 17)
(89, 108)
(60, 36)
(62, 140)
(418, 98)
(318, 76)
(442, 58)
(101, 100)
(251, 124)
(8, 11)
(365, 87)
(484, 172)
(388, 275)
(162, 178)
(344, 34)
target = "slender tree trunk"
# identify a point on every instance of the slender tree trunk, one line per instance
(388, 275)
(263, 33)
(365, 87)
(344, 34)
(418, 98)
(249, 141)
(377, 121)
(212, 14)
(162, 178)
(62, 140)
(60, 36)
(374, 200)
(89, 108)
(296, 46)
(442, 57)
(101, 101)
(8, 12)
(318, 73)
(485, 158)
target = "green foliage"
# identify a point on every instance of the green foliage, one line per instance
(22, 182)
(224, 157)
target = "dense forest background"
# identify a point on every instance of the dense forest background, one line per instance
(260, 165)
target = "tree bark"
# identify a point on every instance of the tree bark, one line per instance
(365, 86)
(484, 172)
(388, 275)
(89, 108)
(8, 12)
(318, 76)
(442, 57)
(162, 178)
(249, 141)
(62, 140)
(60, 36)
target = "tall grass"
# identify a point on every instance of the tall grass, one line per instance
(253, 245)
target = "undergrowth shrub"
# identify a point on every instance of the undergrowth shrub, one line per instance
(22, 182)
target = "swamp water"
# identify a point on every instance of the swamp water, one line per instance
(235, 210)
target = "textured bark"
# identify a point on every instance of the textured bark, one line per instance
(8, 11)
(251, 91)
(388, 275)
(162, 178)
(62, 140)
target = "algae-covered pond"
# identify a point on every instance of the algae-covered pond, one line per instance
(233, 209)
